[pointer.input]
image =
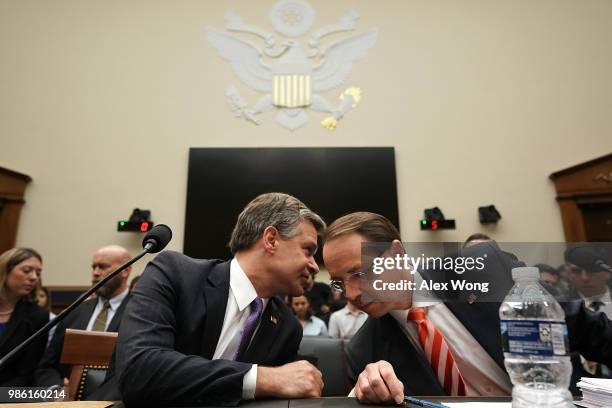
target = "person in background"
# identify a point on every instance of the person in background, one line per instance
(20, 316)
(43, 298)
(476, 239)
(564, 275)
(590, 278)
(102, 313)
(344, 323)
(550, 276)
(338, 301)
(312, 325)
(320, 296)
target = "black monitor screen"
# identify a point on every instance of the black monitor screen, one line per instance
(330, 181)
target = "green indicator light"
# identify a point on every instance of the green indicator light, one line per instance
(122, 223)
(424, 222)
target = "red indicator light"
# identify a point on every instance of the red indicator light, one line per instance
(434, 224)
(144, 227)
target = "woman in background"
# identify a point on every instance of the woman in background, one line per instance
(43, 299)
(312, 325)
(20, 316)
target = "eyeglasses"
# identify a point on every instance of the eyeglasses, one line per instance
(338, 285)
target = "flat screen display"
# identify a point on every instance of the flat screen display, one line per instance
(332, 181)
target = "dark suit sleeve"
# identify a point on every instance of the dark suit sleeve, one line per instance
(28, 359)
(50, 371)
(293, 345)
(149, 369)
(590, 333)
(360, 349)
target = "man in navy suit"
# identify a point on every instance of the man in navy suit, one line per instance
(100, 314)
(213, 332)
(391, 356)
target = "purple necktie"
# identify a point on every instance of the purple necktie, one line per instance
(249, 326)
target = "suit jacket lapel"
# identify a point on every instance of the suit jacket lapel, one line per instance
(269, 327)
(85, 314)
(216, 291)
(481, 319)
(14, 321)
(116, 321)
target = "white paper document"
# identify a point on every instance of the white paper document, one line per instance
(596, 392)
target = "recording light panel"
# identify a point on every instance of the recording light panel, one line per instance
(134, 226)
(139, 221)
(437, 224)
(433, 219)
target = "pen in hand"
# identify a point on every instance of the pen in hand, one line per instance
(423, 403)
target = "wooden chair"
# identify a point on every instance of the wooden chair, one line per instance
(89, 353)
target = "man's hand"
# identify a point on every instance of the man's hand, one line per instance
(378, 383)
(299, 379)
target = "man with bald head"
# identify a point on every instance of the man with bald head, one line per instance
(100, 314)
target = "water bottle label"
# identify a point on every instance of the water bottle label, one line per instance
(535, 337)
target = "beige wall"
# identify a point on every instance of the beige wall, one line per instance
(482, 100)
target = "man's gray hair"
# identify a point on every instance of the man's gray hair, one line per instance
(278, 210)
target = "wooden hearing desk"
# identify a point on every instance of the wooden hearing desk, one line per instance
(330, 402)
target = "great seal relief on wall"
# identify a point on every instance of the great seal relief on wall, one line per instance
(291, 74)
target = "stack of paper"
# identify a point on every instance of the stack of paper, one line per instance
(596, 392)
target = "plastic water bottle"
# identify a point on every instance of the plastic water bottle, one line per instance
(535, 344)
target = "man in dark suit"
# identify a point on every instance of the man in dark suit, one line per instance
(103, 313)
(589, 277)
(213, 332)
(391, 355)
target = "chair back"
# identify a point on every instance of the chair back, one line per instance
(89, 353)
(328, 355)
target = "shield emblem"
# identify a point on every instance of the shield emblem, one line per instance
(291, 90)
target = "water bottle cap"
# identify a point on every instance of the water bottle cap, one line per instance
(526, 272)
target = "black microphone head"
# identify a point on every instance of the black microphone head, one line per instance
(157, 238)
(587, 257)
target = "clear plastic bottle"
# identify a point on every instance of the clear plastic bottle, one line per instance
(535, 344)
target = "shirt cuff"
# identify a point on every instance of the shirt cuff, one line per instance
(249, 381)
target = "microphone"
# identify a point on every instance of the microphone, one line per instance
(153, 242)
(157, 238)
(586, 257)
(603, 266)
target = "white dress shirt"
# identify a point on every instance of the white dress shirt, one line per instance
(343, 323)
(52, 330)
(240, 296)
(114, 303)
(482, 375)
(603, 298)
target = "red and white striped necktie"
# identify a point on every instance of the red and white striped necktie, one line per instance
(438, 353)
